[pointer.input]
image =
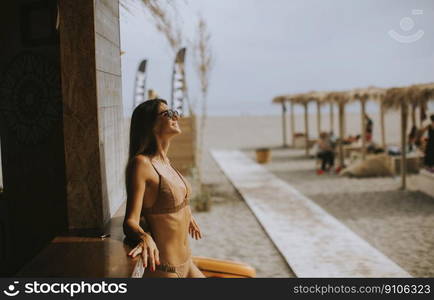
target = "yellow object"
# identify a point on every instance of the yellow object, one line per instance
(263, 155)
(212, 267)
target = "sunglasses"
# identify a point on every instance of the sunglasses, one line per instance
(170, 113)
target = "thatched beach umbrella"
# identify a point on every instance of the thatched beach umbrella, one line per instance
(401, 98)
(363, 95)
(302, 99)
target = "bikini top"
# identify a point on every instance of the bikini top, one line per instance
(166, 199)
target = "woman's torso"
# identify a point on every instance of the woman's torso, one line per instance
(168, 218)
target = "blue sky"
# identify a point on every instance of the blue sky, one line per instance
(266, 48)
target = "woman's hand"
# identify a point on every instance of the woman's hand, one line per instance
(148, 250)
(194, 230)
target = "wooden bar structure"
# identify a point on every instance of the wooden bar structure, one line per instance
(86, 256)
(302, 99)
(402, 98)
(392, 98)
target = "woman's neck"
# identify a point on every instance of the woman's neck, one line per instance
(162, 149)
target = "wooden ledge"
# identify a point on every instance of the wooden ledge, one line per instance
(86, 254)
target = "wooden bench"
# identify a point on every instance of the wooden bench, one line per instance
(84, 254)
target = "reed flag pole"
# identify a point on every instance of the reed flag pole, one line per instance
(140, 84)
(178, 82)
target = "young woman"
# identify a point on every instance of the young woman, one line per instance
(158, 194)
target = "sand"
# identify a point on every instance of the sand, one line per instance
(400, 224)
(231, 231)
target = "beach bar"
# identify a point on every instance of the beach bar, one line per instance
(401, 98)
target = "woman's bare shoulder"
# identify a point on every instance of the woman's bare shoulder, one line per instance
(142, 164)
(141, 158)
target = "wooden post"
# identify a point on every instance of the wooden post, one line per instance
(306, 127)
(285, 144)
(318, 117)
(383, 133)
(292, 123)
(363, 112)
(404, 116)
(341, 134)
(413, 115)
(332, 117)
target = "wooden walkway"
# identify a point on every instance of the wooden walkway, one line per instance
(313, 242)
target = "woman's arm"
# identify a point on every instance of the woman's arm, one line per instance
(193, 228)
(140, 170)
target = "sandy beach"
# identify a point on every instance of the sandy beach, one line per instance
(397, 223)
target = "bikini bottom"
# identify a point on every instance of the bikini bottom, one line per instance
(166, 270)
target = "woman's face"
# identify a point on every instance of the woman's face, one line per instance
(164, 125)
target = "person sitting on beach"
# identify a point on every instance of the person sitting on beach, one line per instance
(412, 138)
(429, 148)
(369, 128)
(373, 147)
(325, 152)
(352, 140)
(333, 140)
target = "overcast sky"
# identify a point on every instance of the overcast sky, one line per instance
(264, 48)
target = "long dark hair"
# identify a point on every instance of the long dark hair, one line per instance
(142, 137)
